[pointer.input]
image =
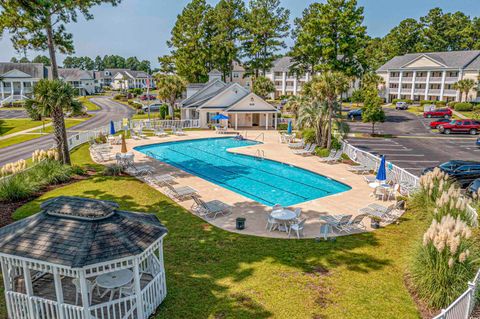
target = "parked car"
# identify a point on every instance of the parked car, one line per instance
(153, 108)
(446, 113)
(477, 142)
(401, 106)
(436, 123)
(463, 172)
(460, 126)
(146, 97)
(355, 114)
(474, 187)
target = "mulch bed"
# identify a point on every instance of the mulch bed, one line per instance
(425, 311)
(8, 208)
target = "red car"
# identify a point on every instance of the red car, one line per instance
(437, 123)
(446, 113)
(460, 126)
(147, 97)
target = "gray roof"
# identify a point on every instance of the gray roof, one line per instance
(451, 59)
(133, 74)
(214, 72)
(200, 94)
(72, 74)
(77, 232)
(35, 70)
(282, 64)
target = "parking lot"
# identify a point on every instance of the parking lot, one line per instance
(413, 146)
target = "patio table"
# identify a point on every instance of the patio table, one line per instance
(283, 215)
(112, 281)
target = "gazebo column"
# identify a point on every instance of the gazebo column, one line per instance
(28, 286)
(58, 292)
(6, 284)
(84, 294)
(276, 120)
(266, 121)
(138, 289)
(236, 121)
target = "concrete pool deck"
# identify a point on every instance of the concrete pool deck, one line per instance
(348, 202)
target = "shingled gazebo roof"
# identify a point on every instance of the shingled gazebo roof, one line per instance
(78, 232)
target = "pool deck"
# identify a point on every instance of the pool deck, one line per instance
(255, 213)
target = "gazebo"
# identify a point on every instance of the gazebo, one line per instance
(81, 258)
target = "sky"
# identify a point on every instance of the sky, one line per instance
(141, 27)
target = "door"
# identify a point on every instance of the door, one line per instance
(255, 119)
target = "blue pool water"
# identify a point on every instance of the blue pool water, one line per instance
(265, 181)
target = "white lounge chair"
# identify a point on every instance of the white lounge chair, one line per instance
(210, 209)
(308, 150)
(336, 222)
(180, 192)
(386, 214)
(139, 170)
(160, 132)
(334, 156)
(178, 131)
(296, 145)
(355, 224)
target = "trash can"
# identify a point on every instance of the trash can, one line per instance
(240, 223)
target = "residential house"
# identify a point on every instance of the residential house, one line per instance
(243, 107)
(17, 80)
(239, 75)
(105, 77)
(429, 76)
(83, 81)
(129, 79)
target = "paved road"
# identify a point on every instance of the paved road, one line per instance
(110, 111)
(413, 146)
(12, 114)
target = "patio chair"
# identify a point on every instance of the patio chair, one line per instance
(160, 132)
(158, 180)
(180, 192)
(336, 222)
(393, 191)
(355, 224)
(272, 223)
(134, 136)
(296, 145)
(370, 179)
(139, 170)
(127, 290)
(78, 291)
(380, 192)
(306, 151)
(331, 155)
(298, 212)
(211, 209)
(335, 156)
(178, 131)
(298, 228)
(360, 169)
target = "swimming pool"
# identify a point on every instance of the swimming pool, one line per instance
(265, 181)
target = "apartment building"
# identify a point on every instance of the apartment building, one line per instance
(129, 79)
(429, 76)
(17, 80)
(286, 81)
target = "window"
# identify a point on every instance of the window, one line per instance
(467, 123)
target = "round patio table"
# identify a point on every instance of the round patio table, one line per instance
(283, 215)
(113, 280)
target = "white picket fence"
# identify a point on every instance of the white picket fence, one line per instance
(463, 307)
(166, 124)
(400, 175)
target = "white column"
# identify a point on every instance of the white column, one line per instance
(307, 77)
(266, 121)
(459, 95)
(1, 89)
(295, 85)
(138, 289)
(6, 283)
(427, 85)
(276, 120)
(21, 87)
(28, 286)
(58, 292)
(236, 121)
(413, 85)
(284, 82)
(442, 88)
(11, 86)
(399, 85)
(84, 294)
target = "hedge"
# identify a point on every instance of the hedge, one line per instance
(463, 107)
(395, 101)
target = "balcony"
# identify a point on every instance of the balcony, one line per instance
(434, 92)
(449, 92)
(419, 91)
(289, 87)
(394, 79)
(421, 79)
(451, 79)
(278, 87)
(406, 91)
(436, 79)
(407, 79)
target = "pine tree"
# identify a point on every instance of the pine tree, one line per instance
(264, 27)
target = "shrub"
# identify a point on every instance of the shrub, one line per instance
(40, 155)
(395, 101)
(463, 106)
(423, 102)
(101, 139)
(168, 117)
(113, 170)
(50, 172)
(17, 187)
(452, 104)
(309, 135)
(452, 202)
(322, 152)
(444, 263)
(140, 111)
(282, 126)
(440, 103)
(163, 111)
(432, 184)
(118, 96)
(12, 168)
(336, 144)
(135, 104)
(476, 107)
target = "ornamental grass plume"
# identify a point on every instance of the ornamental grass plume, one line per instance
(445, 262)
(452, 202)
(434, 183)
(41, 155)
(13, 168)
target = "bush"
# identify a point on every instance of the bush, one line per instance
(476, 107)
(135, 104)
(282, 126)
(16, 187)
(444, 263)
(309, 135)
(113, 170)
(50, 172)
(395, 101)
(322, 152)
(101, 139)
(163, 111)
(168, 117)
(463, 107)
(452, 104)
(440, 103)
(118, 96)
(423, 102)
(452, 202)
(432, 185)
(336, 144)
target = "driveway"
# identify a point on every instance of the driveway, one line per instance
(413, 146)
(12, 114)
(110, 110)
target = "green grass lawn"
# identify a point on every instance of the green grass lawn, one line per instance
(212, 273)
(89, 105)
(9, 126)
(69, 122)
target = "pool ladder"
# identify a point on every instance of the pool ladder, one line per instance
(258, 137)
(260, 155)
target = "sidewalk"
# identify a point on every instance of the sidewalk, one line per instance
(25, 131)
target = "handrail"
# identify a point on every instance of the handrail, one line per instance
(262, 135)
(260, 154)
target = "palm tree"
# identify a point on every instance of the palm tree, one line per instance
(50, 97)
(294, 104)
(313, 114)
(328, 87)
(372, 79)
(170, 88)
(464, 86)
